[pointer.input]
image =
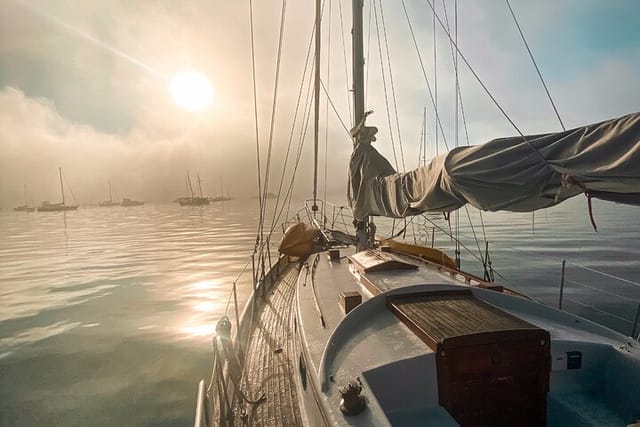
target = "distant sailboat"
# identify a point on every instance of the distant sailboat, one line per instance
(25, 207)
(110, 202)
(193, 200)
(57, 207)
(130, 202)
(221, 197)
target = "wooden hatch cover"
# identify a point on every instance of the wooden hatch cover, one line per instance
(493, 368)
(371, 261)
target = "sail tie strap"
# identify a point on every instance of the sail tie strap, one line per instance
(593, 222)
(567, 181)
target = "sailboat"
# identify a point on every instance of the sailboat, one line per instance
(221, 197)
(25, 207)
(348, 329)
(193, 200)
(57, 207)
(126, 202)
(110, 202)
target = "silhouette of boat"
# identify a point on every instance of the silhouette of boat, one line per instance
(193, 200)
(57, 207)
(110, 202)
(25, 207)
(130, 202)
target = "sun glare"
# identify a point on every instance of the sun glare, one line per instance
(191, 90)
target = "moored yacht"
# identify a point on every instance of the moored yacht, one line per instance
(349, 329)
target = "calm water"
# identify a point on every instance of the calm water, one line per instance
(107, 321)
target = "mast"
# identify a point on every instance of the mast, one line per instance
(61, 186)
(357, 58)
(316, 106)
(221, 188)
(189, 184)
(110, 198)
(358, 63)
(200, 185)
(25, 195)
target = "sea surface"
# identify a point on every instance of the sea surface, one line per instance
(106, 314)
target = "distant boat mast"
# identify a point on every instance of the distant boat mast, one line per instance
(199, 185)
(190, 186)
(61, 186)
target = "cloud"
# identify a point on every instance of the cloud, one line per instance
(146, 163)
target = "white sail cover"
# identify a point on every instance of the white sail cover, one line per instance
(511, 174)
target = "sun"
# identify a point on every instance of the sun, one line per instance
(191, 90)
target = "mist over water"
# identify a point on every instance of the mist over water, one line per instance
(108, 321)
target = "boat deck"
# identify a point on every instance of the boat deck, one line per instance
(270, 361)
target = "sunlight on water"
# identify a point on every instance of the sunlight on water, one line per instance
(111, 318)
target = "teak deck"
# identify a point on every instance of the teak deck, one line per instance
(271, 360)
(492, 367)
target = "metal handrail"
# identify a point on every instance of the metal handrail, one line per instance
(200, 405)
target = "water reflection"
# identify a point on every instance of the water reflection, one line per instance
(117, 309)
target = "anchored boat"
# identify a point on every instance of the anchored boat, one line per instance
(57, 207)
(346, 328)
(25, 207)
(109, 203)
(193, 200)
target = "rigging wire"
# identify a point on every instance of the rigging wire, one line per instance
(267, 171)
(326, 129)
(613, 294)
(393, 89)
(456, 134)
(293, 126)
(306, 118)
(581, 266)
(316, 104)
(535, 64)
(384, 85)
(346, 68)
(452, 237)
(70, 189)
(366, 62)
(421, 147)
(435, 78)
(333, 107)
(486, 89)
(464, 122)
(599, 310)
(255, 113)
(426, 79)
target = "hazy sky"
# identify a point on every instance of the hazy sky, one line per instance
(85, 85)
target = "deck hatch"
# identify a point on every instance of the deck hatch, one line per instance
(369, 261)
(436, 316)
(490, 364)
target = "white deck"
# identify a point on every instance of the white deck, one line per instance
(398, 370)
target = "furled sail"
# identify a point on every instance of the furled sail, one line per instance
(514, 174)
